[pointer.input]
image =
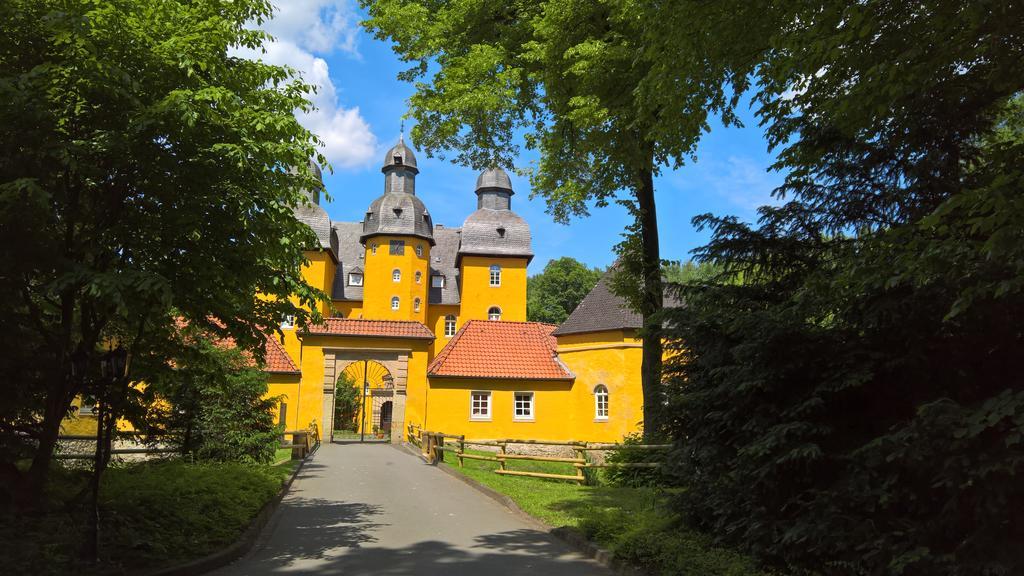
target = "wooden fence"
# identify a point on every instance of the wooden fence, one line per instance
(432, 447)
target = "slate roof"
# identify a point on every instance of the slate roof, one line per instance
(351, 256)
(278, 360)
(398, 213)
(314, 216)
(505, 350)
(372, 328)
(443, 259)
(602, 310)
(488, 232)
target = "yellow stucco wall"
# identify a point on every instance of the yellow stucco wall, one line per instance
(449, 402)
(611, 358)
(348, 308)
(378, 284)
(478, 295)
(319, 273)
(289, 388)
(435, 321)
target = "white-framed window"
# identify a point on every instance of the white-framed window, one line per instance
(396, 275)
(288, 322)
(419, 250)
(523, 406)
(355, 279)
(419, 277)
(480, 405)
(373, 248)
(437, 281)
(416, 305)
(395, 302)
(495, 275)
(494, 313)
(449, 325)
(601, 402)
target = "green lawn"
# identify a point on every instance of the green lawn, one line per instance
(154, 514)
(635, 524)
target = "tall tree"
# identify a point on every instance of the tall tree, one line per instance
(575, 79)
(142, 166)
(855, 404)
(554, 293)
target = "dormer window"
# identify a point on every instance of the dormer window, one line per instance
(398, 160)
(398, 212)
(355, 279)
(437, 281)
(501, 232)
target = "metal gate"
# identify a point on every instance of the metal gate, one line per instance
(377, 398)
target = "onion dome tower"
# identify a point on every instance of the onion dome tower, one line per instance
(398, 212)
(494, 229)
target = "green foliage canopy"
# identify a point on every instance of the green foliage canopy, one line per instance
(142, 166)
(554, 293)
(855, 405)
(208, 398)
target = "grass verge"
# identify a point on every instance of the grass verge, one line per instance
(634, 524)
(153, 514)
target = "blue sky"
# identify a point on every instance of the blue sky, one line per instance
(360, 105)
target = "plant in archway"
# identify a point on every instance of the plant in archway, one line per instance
(346, 402)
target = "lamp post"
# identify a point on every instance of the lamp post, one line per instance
(112, 371)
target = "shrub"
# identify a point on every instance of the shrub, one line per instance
(635, 477)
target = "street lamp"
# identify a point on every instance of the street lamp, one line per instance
(112, 371)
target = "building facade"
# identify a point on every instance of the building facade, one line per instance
(428, 322)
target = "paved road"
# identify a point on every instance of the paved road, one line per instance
(374, 509)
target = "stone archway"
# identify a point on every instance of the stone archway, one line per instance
(394, 361)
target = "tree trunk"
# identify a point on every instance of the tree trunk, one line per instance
(650, 304)
(34, 481)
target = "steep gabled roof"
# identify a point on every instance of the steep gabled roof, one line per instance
(600, 310)
(371, 328)
(502, 350)
(278, 360)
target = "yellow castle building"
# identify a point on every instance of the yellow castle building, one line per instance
(429, 322)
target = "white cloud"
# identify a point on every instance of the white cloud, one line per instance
(740, 180)
(304, 31)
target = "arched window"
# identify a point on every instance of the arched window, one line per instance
(419, 276)
(601, 402)
(495, 275)
(396, 275)
(373, 248)
(419, 250)
(494, 313)
(449, 326)
(394, 302)
(416, 305)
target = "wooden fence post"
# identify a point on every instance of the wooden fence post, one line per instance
(501, 461)
(578, 451)
(462, 448)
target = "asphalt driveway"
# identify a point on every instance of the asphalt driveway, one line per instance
(360, 509)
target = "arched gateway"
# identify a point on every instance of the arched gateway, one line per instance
(381, 377)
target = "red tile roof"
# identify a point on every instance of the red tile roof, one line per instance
(370, 328)
(506, 350)
(278, 360)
